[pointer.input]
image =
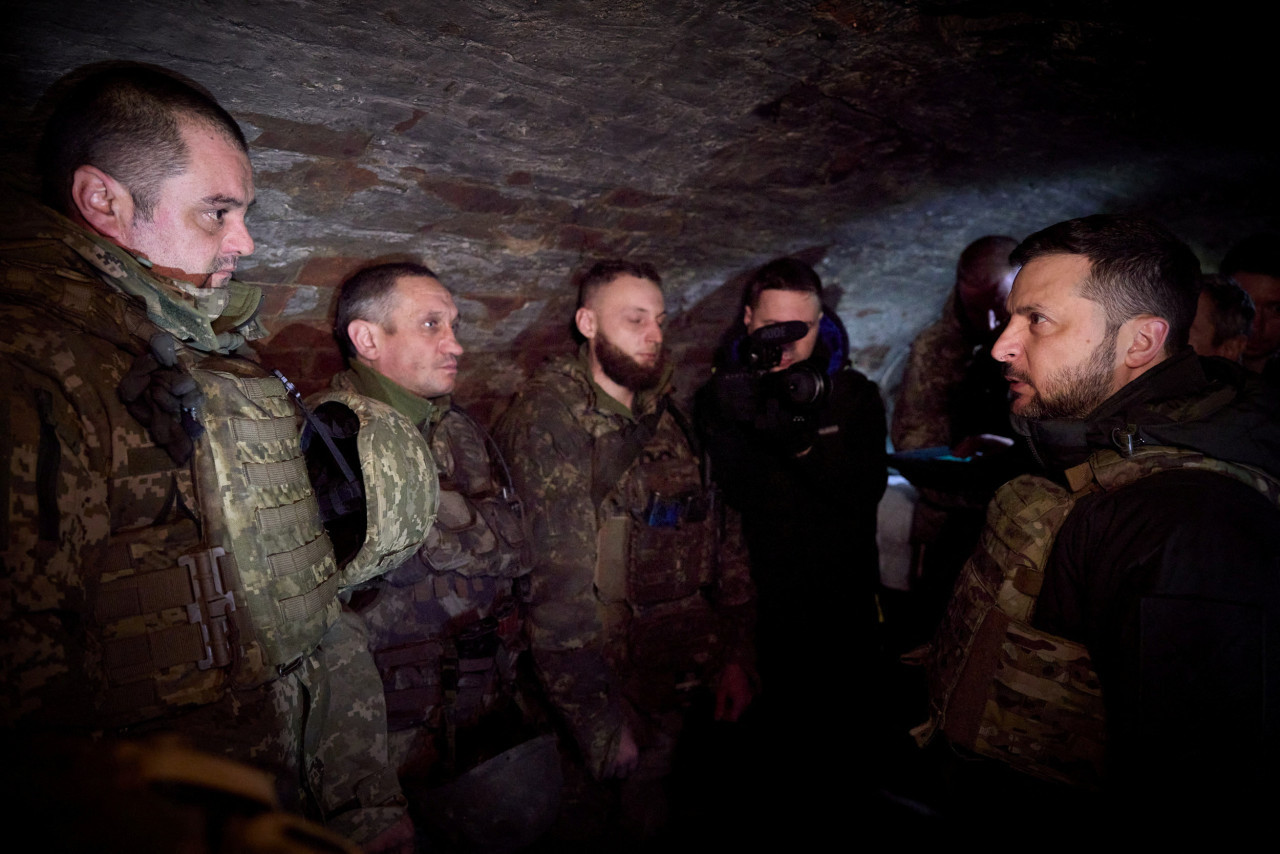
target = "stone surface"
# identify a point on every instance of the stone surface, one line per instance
(505, 143)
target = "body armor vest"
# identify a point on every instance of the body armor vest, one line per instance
(657, 551)
(202, 567)
(254, 592)
(999, 686)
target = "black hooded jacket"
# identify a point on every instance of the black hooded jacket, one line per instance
(808, 491)
(1173, 583)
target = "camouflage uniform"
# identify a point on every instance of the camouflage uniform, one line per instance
(934, 369)
(137, 593)
(625, 614)
(446, 625)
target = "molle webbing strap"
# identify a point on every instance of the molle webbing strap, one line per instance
(258, 388)
(615, 452)
(280, 473)
(141, 656)
(311, 602)
(288, 515)
(144, 594)
(275, 430)
(296, 560)
(195, 586)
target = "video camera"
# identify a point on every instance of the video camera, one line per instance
(781, 402)
(799, 385)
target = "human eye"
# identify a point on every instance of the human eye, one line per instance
(217, 217)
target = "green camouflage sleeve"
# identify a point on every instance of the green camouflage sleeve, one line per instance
(55, 493)
(935, 366)
(735, 597)
(550, 459)
(476, 532)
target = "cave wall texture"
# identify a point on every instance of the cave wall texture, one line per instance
(505, 143)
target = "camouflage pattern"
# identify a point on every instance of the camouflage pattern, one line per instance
(1005, 689)
(446, 625)
(623, 615)
(265, 516)
(136, 591)
(401, 486)
(935, 366)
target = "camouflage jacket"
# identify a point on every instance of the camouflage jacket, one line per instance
(951, 388)
(446, 625)
(624, 606)
(934, 367)
(115, 601)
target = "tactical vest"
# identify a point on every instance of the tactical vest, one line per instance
(458, 604)
(255, 593)
(401, 485)
(657, 552)
(999, 686)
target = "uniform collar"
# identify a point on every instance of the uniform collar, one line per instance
(419, 410)
(181, 312)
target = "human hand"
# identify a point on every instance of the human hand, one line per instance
(982, 443)
(733, 693)
(626, 757)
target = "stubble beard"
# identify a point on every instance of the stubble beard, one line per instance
(626, 371)
(1081, 389)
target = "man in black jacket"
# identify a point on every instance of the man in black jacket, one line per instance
(797, 441)
(1164, 567)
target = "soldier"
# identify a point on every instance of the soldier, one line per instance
(1224, 317)
(164, 566)
(640, 591)
(946, 392)
(445, 626)
(1254, 264)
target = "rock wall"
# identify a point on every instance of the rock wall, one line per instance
(506, 143)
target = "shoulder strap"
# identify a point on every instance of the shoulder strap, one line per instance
(614, 453)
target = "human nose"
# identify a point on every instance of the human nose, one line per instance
(1008, 345)
(238, 240)
(452, 346)
(654, 334)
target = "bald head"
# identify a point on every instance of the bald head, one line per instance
(983, 279)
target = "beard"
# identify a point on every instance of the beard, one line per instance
(626, 371)
(1080, 390)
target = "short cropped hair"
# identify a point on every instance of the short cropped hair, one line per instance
(126, 121)
(601, 273)
(782, 274)
(367, 295)
(1259, 253)
(1233, 308)
(1136, 267)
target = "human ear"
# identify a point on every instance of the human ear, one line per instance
(746, 315)
(365, 339)
(1147, 335)
(585, 318)
(102, 202)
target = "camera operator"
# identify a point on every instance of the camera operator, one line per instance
(796, 437)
